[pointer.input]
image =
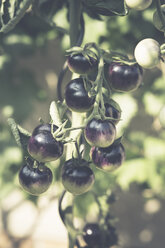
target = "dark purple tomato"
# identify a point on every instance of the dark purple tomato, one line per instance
(76, 96)
(111, 111)
(35, 180)
(79, 64)
(109, 158)
(77, 177)
(42, 146)
(124, 78)
(92, 234)
(101, 133)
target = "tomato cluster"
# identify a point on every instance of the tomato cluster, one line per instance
(84, 96)
(98, 75)
(107, 152)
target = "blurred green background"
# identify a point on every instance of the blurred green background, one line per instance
(31, 58)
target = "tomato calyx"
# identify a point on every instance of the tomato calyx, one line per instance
(110, 57)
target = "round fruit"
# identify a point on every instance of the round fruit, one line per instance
(77, 177)
(42, 146)
(138, 4)
(111, 111)
(92, 234)
(35, 180)
(123, 77)
(147, 53)
(76, 96)
(156, 19)
(109, 158)
(100, 133)
(80, 64)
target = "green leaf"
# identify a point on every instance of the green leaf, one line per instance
(153, 103)
(12, 12)
(75, 50)
(135, 170)
(107, 7)
(92, 14)
(21, 135)
(154, 148)
(48, 8)
(5, 16)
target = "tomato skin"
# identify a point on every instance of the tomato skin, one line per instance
(111, 111)
(138, 4)
(92, 234)
(77, 177)
(76, 96)
(109, 158)
(147, 53)
(123, 77)
(34, 180)
(79, 64)
(100, 133)
(42, 146)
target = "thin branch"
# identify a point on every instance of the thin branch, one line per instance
(11, 24)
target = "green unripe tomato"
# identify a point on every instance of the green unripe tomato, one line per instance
(138, 4)
(147, 53)
(156, 19)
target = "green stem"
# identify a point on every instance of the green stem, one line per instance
(71, 241)
(61, 213)
(77, 150)
(74, 18)
(60, 134)
(77, 121)
(99, 95)
(72, 232)
(74, 128)
(160, 13)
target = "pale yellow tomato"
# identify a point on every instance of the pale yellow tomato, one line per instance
(147, 53)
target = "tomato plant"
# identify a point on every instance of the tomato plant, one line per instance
(92, 101)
